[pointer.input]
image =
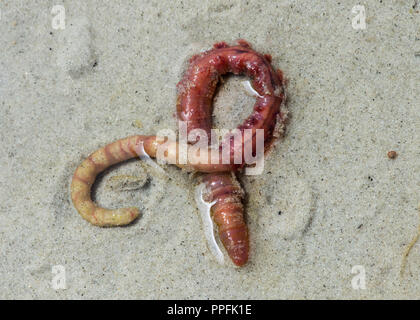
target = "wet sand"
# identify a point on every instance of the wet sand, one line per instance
(328, 202)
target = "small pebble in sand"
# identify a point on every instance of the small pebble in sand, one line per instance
(392, 154)
(137, 124)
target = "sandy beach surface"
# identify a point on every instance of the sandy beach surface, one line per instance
(330, 217)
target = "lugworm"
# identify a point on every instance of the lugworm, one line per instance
(194, 105)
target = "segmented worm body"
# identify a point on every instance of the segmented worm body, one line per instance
(228, 213)
(194, 105)
(119, 151)
(197, 88)
(86, 173)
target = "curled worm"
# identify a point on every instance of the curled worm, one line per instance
(194, 105)
(86, 173)
(197, 88)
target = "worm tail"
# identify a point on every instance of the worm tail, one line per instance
(86, 173)
(118, 151)
(228, 214)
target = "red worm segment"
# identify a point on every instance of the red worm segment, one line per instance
(228, 214)
(197, 88)
(194, 105)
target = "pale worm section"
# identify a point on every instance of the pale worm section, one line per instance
(119, 151)
(86, 173)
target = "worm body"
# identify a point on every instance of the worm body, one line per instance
(194, 105)
(228, 214)
(86, 173)
(197, 88)
(119, 151)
